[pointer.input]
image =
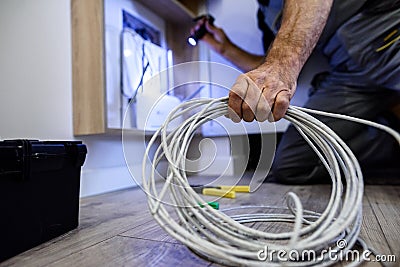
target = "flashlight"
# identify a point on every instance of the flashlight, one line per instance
(199, 33)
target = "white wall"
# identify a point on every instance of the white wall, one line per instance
(35, 69)
(36, 90)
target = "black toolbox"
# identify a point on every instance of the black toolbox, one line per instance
(39, 192)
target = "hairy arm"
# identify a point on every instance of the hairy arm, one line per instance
(271, 86)
(302, 25)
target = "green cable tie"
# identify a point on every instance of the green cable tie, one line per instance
(213, 204)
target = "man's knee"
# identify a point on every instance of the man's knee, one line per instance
(299, 175)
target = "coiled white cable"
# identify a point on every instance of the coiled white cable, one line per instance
(225, 239)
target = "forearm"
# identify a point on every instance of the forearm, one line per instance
(302, 25)
(242, 59)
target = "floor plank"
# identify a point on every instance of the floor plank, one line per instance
(371, 231)
(385, 204)
(116, 229)
(125, 251)
(101, 217)
(150, 231)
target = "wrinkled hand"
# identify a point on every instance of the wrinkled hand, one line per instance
(261, 94)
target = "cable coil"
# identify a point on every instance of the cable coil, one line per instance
(225, 239)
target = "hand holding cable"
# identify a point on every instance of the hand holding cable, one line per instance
(261, 94)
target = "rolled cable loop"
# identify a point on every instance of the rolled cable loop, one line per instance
(225, 239)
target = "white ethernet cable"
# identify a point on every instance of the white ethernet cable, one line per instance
(225, 239)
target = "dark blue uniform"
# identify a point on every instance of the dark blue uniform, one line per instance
(361, 43)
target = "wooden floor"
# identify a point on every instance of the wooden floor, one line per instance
(116, 229)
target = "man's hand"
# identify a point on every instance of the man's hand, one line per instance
(218, 41)
(215, 37)
(265, 92)
(261, 94)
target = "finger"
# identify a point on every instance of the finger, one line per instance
(249, 105)
(236, 96)
(211, 28)
(232, 115)
(281, 104)
(263, 110)
(209, 39)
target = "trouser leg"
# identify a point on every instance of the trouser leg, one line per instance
(296, 163)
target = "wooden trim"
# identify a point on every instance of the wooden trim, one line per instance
(88, 74)
(175, 11)
(192, 7)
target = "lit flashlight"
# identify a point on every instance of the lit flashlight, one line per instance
(200, 32)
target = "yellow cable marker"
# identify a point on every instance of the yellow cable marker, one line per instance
(228, 191)
(218, 192)
(236, 188)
